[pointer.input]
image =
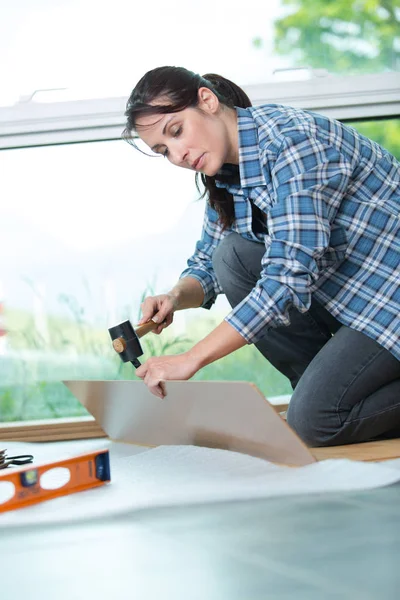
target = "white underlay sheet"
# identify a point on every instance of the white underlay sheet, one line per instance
(182, 475)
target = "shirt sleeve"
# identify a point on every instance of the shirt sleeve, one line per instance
(200, 263)
(309, 181)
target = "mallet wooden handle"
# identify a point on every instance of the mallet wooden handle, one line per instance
(145, 328)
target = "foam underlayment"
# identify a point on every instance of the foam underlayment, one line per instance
(185, 475)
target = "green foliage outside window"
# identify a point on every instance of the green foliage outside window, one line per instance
(345, 38)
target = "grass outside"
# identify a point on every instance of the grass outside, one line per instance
(31, 374)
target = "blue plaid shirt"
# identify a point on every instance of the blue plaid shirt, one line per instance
(332, 203)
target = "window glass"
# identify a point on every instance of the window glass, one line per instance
(386, 132)
(94, 48)
(342, 37)
(85, 236)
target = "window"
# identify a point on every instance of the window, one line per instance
(84, 237)
(89, 48)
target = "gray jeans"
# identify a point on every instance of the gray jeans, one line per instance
(346, 386)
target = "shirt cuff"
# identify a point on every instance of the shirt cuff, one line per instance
(206, 283)
(257, 313)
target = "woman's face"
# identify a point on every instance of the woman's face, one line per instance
(201, 140)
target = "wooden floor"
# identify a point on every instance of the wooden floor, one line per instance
(369, 451)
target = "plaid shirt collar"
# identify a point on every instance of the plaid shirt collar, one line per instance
(250, 173)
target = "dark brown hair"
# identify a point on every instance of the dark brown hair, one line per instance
(181, 87)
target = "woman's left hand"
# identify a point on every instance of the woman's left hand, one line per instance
(158, 369)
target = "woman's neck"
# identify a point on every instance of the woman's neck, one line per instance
(230, 116)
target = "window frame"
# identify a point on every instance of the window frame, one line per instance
(31, 124)
(28, 124)
(51, 430)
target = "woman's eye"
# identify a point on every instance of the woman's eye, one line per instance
(177, 132)
(174, 134)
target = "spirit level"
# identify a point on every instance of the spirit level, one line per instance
(30, 485)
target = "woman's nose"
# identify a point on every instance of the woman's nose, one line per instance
(178, 155)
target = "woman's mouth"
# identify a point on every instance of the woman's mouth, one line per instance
(198, 163)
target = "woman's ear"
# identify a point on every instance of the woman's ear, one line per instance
(208, 101)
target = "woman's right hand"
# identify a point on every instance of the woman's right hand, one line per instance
(160, 309)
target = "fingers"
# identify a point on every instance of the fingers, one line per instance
(159, 329)
(164, 313)
(156, 385)
(164, 324)
(158, 308)
(169, 319)
(149, 307)
(141, 371)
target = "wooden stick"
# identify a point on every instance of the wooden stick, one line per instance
(145, 328)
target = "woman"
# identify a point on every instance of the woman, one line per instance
(301, 233)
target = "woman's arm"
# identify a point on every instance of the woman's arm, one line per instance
(223, 340)
(197, 285)
(200, 264)
(309, 180)
(188, 293)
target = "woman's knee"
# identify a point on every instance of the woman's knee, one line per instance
(307, 430)
(315, 423)
(237, 261)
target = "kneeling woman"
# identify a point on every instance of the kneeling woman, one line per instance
(302, 234)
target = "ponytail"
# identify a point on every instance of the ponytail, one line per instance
(219, 198)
